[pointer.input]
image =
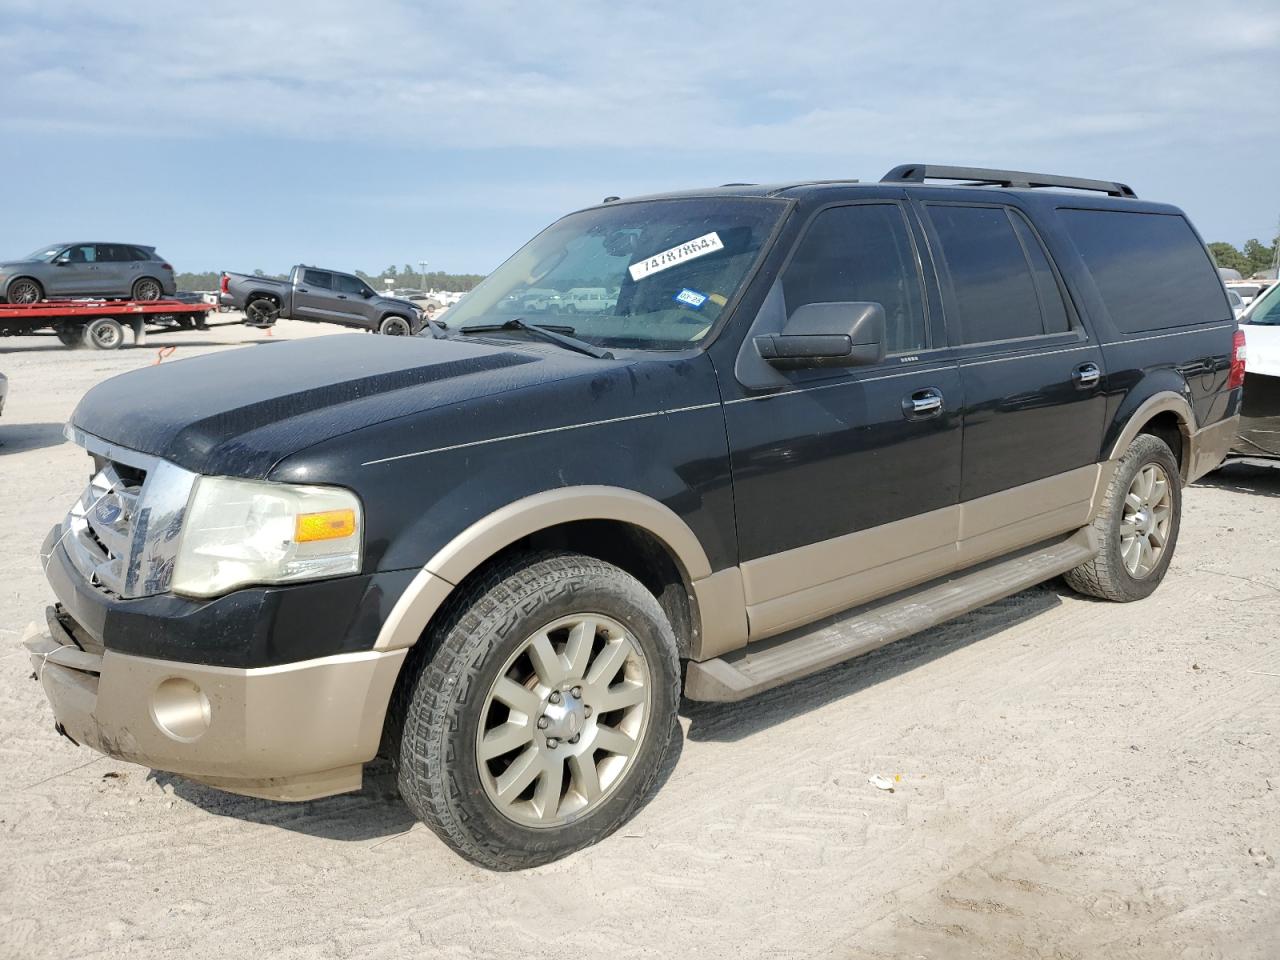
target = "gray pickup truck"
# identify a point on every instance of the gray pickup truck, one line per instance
(311, 293)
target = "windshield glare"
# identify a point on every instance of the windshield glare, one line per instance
(650, 275)
(43, 253)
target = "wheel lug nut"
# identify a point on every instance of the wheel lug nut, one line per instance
(543, 723)
(577, 692)
(586, 711)
(575, 738)
(552, 743)
(555, 696)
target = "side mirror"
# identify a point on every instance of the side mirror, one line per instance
(62, 261)
(845, 334)
(366, 293)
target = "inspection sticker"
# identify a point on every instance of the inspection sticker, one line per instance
(690, 298)
(700, 247)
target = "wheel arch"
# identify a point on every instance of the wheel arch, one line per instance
(146, 276)
(1166, 415)
(24, 276)
(633, 531)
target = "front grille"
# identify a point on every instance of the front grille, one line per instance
(100, 528)
(122, 534)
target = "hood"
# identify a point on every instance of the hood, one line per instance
(239, 412)
(396, 302)
(17, 263)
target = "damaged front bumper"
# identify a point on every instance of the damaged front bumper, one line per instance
(295, 731)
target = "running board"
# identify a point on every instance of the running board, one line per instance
(771, 663)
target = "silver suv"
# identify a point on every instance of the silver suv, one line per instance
(87, 270)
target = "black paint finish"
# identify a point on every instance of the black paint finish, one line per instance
(435, 434)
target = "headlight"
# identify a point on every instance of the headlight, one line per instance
(239, 532)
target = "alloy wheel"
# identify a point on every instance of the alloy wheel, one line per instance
(562, 724)
(24, 291)
(147, 290)
(1146, 522)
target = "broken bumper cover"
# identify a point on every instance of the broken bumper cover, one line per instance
(295, 731)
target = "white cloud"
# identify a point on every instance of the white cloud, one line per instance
(822, 80)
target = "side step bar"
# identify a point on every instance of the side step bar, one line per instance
(771, 663)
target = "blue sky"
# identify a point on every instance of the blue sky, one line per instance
(239, 135)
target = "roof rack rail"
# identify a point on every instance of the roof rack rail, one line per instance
(920, 172)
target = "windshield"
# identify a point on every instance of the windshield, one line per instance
(1266, 309)
(651, 275)
(43, 253)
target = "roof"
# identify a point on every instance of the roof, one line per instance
(918, 176)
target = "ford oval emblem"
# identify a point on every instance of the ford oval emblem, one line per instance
(109, 509)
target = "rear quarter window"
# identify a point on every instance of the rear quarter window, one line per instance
(1150, 268)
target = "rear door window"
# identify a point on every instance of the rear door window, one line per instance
(1053, 308)
(317, 278)
(1150, 268)
(113, 253)
(345, 284)
(1001, 284)
(861, 253)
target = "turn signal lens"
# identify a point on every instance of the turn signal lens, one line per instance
(329, 525)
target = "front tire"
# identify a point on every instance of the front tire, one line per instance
(543, 714)
(24, 290)
(1137, 527)
(395, 327)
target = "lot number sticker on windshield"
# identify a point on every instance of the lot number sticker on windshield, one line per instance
(707, 243)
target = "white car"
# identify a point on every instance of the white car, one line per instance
(1247, 290)
(588, 300)
(1237, 304)
(1260, 413)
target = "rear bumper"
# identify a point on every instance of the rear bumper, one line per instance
(1210, 446)
(289, 732)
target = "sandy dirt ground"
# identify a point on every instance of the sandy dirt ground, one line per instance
(1072, 779)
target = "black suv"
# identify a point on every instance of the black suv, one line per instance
(815, 418)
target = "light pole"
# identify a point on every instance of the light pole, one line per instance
(422, 276)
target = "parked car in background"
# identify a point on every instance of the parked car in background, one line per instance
(312, 293)
(1248, 290)
(116, 270)
(1237, 305)
(1260, 411)
(820, 418)
(587, 300)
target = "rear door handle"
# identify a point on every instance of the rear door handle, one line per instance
(303, 290)
(922, 404)
(1086, 375)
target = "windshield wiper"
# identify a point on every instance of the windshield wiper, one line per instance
(561, 336)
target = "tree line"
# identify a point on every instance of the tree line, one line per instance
(404, 277)
(1255, 257)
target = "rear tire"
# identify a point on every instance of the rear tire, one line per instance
(261, 312)
(1137, 526)
(24, 290)
(69, 336)
(103, 334)
(147, 290)
(395, 327)
(587, 651)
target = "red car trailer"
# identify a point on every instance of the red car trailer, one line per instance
(97, 323)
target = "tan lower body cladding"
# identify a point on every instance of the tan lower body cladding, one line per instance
(798, 586)
(292, 732)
